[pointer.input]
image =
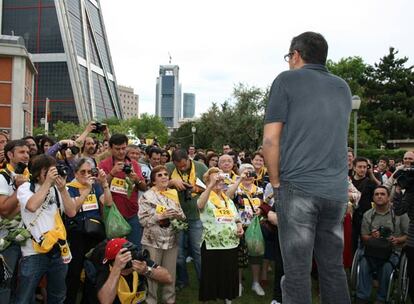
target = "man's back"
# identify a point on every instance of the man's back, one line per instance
(315, 107)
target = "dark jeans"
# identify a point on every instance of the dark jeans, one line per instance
(135, 235)
(80, 244)
(277, 289)
(32, 268)
(194, 233)
(11, 256)
(310, 224)
(409, 251)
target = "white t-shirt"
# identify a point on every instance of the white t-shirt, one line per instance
(7, 190)
(46, 220)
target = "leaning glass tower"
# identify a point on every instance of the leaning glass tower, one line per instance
(69, 47)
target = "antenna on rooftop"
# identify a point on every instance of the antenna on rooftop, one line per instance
(169, 55)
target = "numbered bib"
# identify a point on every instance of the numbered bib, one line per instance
(90, 203)
(223, 215)
(118, 185)
(255, 202)
(160, 209)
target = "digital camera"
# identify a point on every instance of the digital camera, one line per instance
(127, 169)
(139, 255)
(62, 170)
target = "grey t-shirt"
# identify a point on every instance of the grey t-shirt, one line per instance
(314, 106)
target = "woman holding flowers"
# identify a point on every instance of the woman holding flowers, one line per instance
(160, 214)
(221, 232)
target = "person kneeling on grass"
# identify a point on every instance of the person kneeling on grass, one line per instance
(121, 279)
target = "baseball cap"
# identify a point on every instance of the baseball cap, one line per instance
(112, 248)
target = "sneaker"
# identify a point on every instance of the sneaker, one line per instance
(258, 289)
(240, 290)
(275, 302)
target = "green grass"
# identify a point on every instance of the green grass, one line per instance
(189, 295)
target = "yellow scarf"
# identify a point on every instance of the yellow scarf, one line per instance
(261, 174)
(172, 194)
(217, 201)
(125, 294)
(191, 178)
(232, 179)
(250, 192)
(26, 172)
(76, 184)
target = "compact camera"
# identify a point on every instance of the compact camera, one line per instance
(251, 174)
(95, 172)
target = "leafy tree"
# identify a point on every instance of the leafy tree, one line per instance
(63, 130)
(389, 95)
(149, 126)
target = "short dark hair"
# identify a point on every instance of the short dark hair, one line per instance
(360, 159)
(11, 145)
(155, 170)
(257, 153)
(154, 150)
(179, 155)
(383, 187)
(118, 139)
(311, 46)
(384, 158)
(201, 157)
(38, 163)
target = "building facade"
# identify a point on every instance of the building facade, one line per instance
(16, 87)
(188, 105)
(168, 95)
(129, 102)
(69, 48)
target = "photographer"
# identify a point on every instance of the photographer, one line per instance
(403, 202)
(65, 152)
(47, 252)
(125, 180)
(12, 177)
(184, 174)
(90, 191)
(383, 234)
(121, 278)
(391, 183)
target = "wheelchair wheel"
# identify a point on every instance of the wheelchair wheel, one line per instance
(355, 271)
(402, 282)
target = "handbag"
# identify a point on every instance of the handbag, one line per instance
(94, 228)
(378, 248)
(115, 224)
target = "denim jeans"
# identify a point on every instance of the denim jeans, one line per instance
(194, 234)
(366, 270)
(32, 268)
(135, 235)
(11, 256)
(310, 226)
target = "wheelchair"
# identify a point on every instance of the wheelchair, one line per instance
(398, 283)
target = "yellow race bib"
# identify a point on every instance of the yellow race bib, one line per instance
(90, 203)
(160, 209)
(223, 215)
(118, 185)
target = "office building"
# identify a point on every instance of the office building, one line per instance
(16, 87)
(188, 105)
(129, 102)
(69, 48)
(168, 95)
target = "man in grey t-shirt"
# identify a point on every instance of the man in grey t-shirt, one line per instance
(305, 149)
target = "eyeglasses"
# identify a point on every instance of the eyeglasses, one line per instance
(84, 172)
(288, 56)
(161, 174)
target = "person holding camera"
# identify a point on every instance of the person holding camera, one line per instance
(403, 203)
(383, 235)
(90, 191)
(125, 180)
(184, 174)
(12, 177)
(65, 152)
(248, 198)
(47, 252)
(122, 273)
(158, 213)
(222, 230)
(391, 183)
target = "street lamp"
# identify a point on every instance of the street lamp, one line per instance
(193, 129)
(356, 103)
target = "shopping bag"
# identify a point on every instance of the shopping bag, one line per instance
(115, 224)
(254, 238)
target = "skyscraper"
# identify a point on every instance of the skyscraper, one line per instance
(168, 95)
(188, 105)
(70, 51)
(129, 102)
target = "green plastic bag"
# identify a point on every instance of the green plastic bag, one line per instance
(254, 238)
(115, 224)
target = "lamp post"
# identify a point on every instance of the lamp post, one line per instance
(193, 130)
(356, 103)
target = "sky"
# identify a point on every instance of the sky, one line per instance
(220, 43)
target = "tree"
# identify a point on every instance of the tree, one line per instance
(64, 130)
(150, 126)
(389, 93)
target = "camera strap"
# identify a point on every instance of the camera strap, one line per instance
(374, 213)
